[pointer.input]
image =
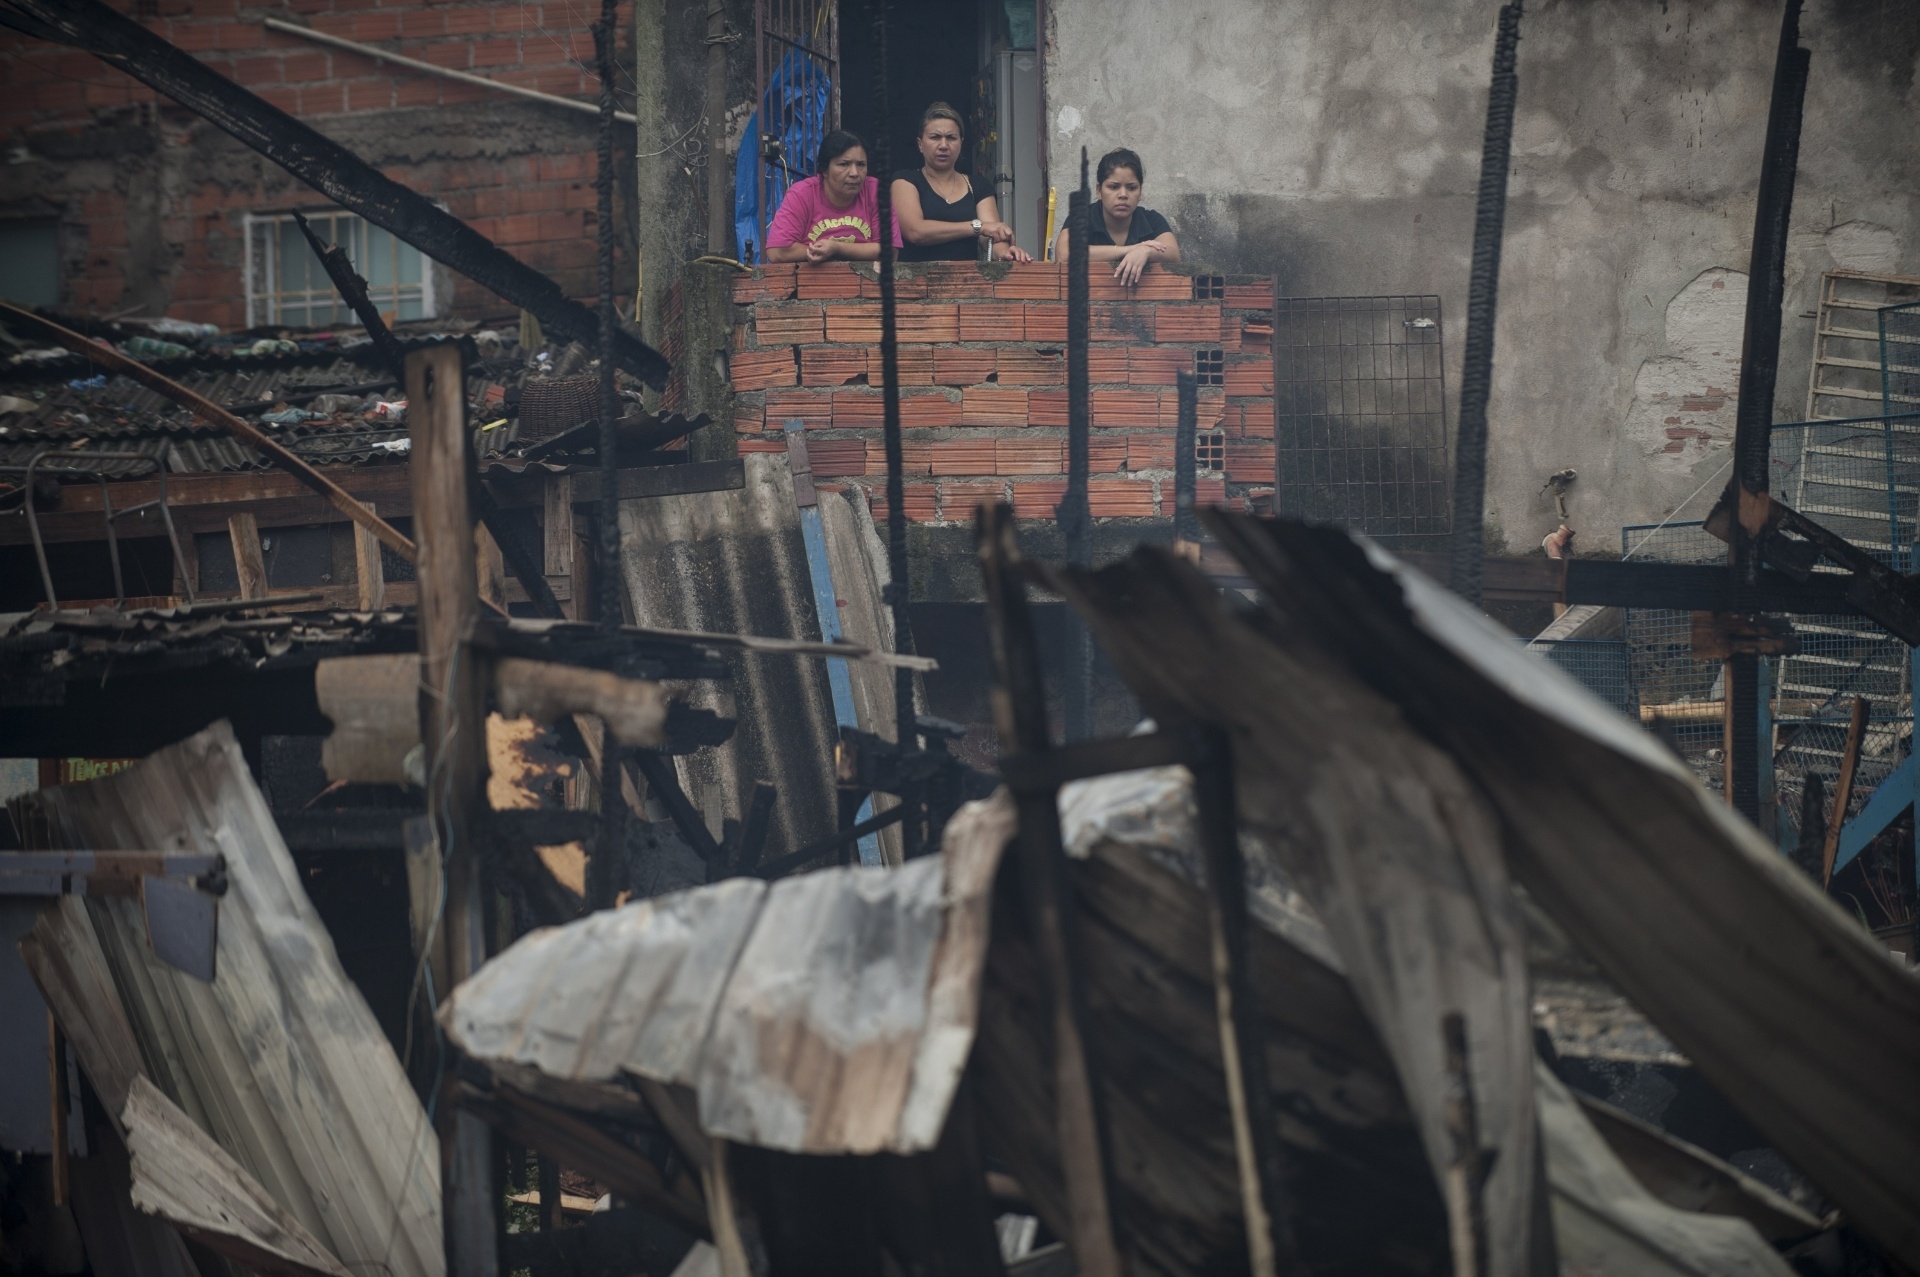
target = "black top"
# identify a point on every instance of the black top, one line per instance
(1145, 225)
(935, 209)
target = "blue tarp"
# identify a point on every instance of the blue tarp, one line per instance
(799, 95)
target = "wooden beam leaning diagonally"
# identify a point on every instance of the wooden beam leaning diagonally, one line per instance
(212, 413)
(1019, 710)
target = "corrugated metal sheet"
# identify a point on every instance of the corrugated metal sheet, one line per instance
(832, 1012)
(124, 416)
(733, 562)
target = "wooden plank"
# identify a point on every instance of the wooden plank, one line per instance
(491, 567)
(633, 709)
(1843, 787)
(249, 562)
(453, 716)
(185, 1178)
(66, 961)
(1388, 839)
(557, 538)
(370, 575)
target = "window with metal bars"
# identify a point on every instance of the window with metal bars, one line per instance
(1210, 449)
(286, 284)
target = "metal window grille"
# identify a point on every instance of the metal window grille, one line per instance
(1210, 449)
(286, 284)
(1209, 288)
(797, 87)
(1360, 418)
(1209, 367)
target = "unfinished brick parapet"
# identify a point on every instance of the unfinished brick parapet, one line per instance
(982, 365)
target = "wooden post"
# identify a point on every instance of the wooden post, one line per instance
(453, 724)
(557, 537)
(58, 1099)
(369, 572)
(1843, 785)
(249, 562)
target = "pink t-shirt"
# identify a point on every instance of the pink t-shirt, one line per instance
(807, 215)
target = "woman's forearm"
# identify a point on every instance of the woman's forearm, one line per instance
(1168, 245)
(849, 251)
(922, 231)
(786, 252)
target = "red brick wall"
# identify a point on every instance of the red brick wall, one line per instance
(531, 192)
(983, 375)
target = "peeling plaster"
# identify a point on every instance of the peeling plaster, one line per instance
(1683, 400)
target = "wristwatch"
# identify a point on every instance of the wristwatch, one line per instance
(976, 226)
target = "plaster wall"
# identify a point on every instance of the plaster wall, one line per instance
(1338, 147)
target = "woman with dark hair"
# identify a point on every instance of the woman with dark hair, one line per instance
(945, 214)
(1121, 231)
(834, 212)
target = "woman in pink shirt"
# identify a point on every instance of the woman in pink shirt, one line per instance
(833, 213)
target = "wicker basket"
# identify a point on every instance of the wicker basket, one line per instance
(556, 405)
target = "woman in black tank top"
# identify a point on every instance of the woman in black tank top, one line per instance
(944, 214)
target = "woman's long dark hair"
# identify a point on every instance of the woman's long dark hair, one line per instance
(1118, 158)
(833, 146)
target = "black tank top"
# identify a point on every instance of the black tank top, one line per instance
(935, 209)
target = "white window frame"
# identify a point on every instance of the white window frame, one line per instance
(266, 303)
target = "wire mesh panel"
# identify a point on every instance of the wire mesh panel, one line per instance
(1602, 666)
(1360, 418)
(1859, 479)
(1677, 693)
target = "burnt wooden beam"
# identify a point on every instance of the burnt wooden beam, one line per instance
(1019, 711)
(333, 170)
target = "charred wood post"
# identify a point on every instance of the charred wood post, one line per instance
(353, 290)
(1020, 719)
(1483, 290)
(1746, 498)
(1186, 426)
(899, 591)
(602, 887)
(1074, 512)
(331, 169)
(453, 725)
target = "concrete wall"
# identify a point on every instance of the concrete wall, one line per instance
(1337, 146)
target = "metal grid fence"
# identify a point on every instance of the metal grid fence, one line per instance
(1360, 419)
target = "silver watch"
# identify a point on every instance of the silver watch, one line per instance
(976, 226)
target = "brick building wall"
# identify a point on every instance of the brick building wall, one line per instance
(151, 200)
(983, 375)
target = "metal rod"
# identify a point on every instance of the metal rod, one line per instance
(1747, 490)
(1483, 289)
(906, 723)
(353, 291)
(113, 544)
(427, 68)
(1075, 512)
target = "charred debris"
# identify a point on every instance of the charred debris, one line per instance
(644, 922)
